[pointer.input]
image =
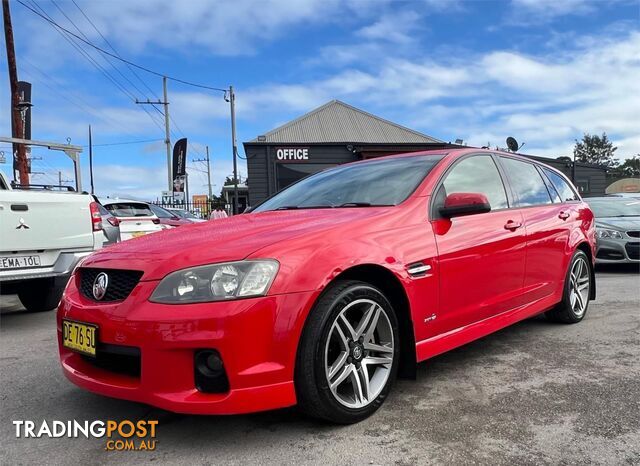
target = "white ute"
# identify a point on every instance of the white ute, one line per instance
(43, 235)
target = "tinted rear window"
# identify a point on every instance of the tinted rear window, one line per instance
(129, 209)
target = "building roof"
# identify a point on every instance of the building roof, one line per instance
(336, 121)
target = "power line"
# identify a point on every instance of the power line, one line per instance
(114, 50)
(120, 87)
(76, 100)
(140, 67)
(83, 52)
(87, 38)
(125, 143)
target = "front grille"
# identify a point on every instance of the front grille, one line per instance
(634, 234)
(117, 358)
(633, 250)
(120, 284)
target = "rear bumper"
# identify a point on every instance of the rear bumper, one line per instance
(256, 339)
(63, 266)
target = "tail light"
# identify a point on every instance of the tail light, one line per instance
(113, 221)
(96, 218)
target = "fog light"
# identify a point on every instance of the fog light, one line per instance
(210, 376)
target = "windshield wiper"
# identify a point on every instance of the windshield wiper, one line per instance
(296, 207)
(363, 204)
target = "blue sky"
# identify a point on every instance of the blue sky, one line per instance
(544, 71)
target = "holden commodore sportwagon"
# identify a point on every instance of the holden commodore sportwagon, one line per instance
(328, 290)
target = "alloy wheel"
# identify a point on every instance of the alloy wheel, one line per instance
(579, 283)
(359, 353)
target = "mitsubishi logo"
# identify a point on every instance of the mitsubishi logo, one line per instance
(22, 224)
(100, 285)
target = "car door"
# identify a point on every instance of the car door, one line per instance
(545, 224)
(480, 256)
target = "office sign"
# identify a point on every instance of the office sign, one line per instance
(292, 154)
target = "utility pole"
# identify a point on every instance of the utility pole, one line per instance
(167, 131)
(208, 161)
(91, 160)
(19, 150)
(232, 103)
(167, 137)
(60, 180)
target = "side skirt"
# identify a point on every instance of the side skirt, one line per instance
(444, 342)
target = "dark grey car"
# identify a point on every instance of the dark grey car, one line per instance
(617, 229)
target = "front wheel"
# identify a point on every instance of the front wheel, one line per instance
(577, 291)
(348, 355)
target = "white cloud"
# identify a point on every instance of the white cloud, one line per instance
(224, 27)
(398, 27)
(537, 11)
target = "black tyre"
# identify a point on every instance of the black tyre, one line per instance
(41, 295)
(348, 354)
(577, 291)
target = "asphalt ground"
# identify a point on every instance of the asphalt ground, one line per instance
(534, 393)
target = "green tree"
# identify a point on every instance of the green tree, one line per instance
(630, 168)
(595, 149)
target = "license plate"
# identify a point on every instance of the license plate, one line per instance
(79, 337)
(19, 262)
(136, 234)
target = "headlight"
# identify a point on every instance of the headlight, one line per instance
(217, 282)
(608, 234)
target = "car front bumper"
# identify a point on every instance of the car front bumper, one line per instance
(256, 339)
(617, 251)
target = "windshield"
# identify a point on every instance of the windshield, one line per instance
(615, 207)
(383, 182)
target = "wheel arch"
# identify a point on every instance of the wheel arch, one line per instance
(586, 248)
(391, 286)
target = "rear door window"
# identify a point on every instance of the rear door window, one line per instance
(475, 174)
(564, 189)
(526, 183)
(555, 197)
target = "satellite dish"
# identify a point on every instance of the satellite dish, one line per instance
(512, 144)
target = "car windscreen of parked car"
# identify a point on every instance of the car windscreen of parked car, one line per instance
(129, 209)
(160, 212)
(614, 207)
(384, 182)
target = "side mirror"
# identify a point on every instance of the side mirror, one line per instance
(459, 204)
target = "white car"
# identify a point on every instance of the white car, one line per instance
(134, 217)
(43, 235)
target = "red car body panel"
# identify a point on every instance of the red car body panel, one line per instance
(482, 278)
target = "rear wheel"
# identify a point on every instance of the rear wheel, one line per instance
(348, 354)
(41, 295)
(577, 291)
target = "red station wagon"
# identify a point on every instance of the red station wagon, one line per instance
(326, 291)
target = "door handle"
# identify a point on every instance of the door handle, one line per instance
(511, 225)
(564, 215)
